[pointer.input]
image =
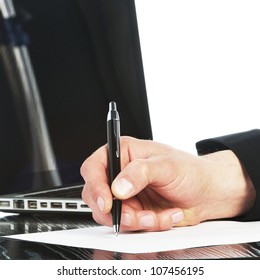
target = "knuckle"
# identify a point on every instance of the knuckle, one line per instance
(82, 169)
(192, 217)
(142, 167)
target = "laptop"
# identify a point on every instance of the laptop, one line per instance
(61, 63)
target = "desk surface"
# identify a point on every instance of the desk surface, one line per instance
(23, 250)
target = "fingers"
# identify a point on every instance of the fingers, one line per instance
(133, 220)
(96, 193)
(147, 220)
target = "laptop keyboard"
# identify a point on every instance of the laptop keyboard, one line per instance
(63, 193)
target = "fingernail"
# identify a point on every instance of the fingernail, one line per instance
(100, 203)
(126, 219)
(177, 217)
(122, 187)
(147, 221)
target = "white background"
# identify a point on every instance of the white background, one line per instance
(202, 67)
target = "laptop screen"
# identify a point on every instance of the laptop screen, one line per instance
(61, 63)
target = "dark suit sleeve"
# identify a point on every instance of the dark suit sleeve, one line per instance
(246, 146)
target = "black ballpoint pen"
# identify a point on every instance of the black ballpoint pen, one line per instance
(114, 163)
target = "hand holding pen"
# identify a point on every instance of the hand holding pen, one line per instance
(162, 187)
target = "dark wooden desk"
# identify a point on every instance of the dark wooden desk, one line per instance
(24, 250)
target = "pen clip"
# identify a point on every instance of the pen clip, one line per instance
(117, 137)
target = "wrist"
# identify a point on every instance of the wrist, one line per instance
(231, 192)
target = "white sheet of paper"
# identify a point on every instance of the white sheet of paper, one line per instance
(100, 237)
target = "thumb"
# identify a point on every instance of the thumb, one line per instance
(131, 180)
(137, 175)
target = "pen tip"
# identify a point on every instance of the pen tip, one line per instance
(116, 229)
